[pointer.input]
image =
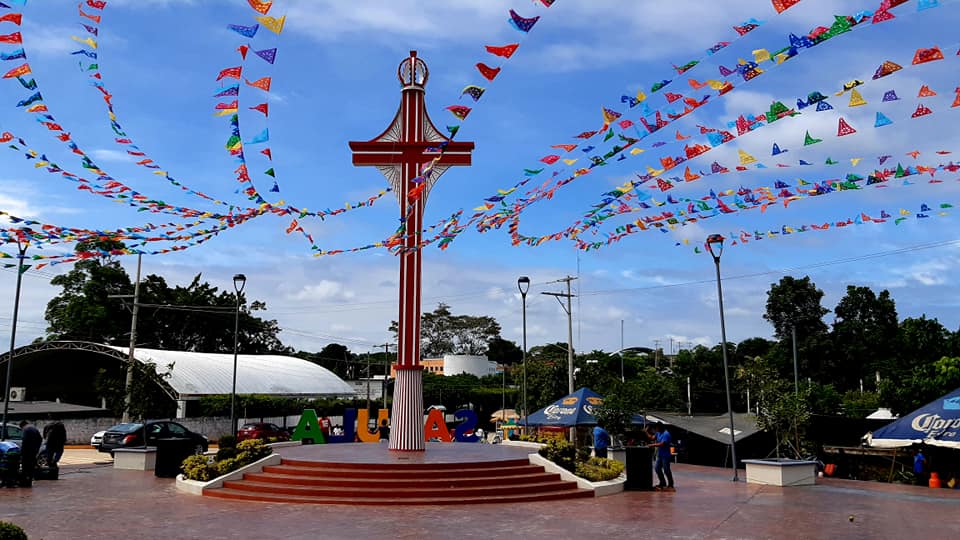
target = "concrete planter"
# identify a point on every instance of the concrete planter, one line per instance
(599, 489)
(135, 459)
(781, 472)
(196, 487)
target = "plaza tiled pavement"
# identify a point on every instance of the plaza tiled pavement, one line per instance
(96, 501)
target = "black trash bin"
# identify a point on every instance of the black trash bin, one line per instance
(170, 455)
(639, 468)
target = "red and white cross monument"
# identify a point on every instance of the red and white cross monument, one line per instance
(400, 152)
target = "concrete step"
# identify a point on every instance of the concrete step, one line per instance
(389, 500)
(410, 491)
(418, 474)
(351, 482)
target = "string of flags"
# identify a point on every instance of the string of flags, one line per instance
(488, 222)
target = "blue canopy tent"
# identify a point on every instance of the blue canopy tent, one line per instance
(936, 423)
(575, 409)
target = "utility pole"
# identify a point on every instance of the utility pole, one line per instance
(568, 296)
(568, 308)
(368, 381)
(656, 354)
(128, 383)
(386, 371)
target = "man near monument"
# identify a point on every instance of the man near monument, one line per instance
(662, 465)
(601, 441)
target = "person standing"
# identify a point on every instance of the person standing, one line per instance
(920, 467)
(55, 435)
(384, 430)
(601, 441)
(662, 466)
(29, 448)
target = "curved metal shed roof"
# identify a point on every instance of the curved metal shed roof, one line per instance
(201, 374)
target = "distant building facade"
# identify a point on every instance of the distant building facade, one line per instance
(456, 364)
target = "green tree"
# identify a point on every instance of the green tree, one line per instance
(704, 367)
(858, 404)
(787, 415)
(83, 311)
(442, 332)
(919, 341)
(864, 335)
(504, 351)
(924, 384)
(197, 317)
(795, 303)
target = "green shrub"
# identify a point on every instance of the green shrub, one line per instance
(599, 469)
(561, 452)
(228, 441)
(227, 466)
(198, 468)
(226, 461)
(226, 452)
(255, 449)
(9, 531)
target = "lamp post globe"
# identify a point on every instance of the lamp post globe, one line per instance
(523, 284)
(239, 281)
(714, 246)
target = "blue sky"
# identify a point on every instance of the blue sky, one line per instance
(334, 81)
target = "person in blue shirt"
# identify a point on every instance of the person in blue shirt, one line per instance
(601, 441)
(662, 465)
(920, 468)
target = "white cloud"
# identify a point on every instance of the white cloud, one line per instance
(108, 155)
(322, 291)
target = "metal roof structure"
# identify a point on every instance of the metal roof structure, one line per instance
(711, 427)
(187, 375)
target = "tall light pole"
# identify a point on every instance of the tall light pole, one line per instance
(622, 378)
(128, 383)
(239, 280)
(523, 283)
(796, 374)
(22, 249)
(717, 240)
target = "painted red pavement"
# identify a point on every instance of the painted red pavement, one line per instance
(100, 502)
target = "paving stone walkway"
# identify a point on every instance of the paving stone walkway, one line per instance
(96, 501)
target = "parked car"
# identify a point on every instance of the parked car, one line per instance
(97, 439)
(130, 435)
(14, 434)
(262, 430)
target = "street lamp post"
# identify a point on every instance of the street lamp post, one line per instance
(239, 280)
(717, 240)
(523, 283)
(22, 248)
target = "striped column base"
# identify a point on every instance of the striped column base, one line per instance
(406, 416)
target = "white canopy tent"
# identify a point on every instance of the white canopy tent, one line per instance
(194, 375)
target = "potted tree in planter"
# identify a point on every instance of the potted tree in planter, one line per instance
(785, 413)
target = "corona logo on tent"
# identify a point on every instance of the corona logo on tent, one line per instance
(928, 423)
(570, 400)
(592, 402)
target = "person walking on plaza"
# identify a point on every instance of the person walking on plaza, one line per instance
(601, 441)
(384, 431)
(29, 449)
(920, 467)
(663, 459)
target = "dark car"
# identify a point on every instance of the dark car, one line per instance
(130, 435)
(262, 430)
